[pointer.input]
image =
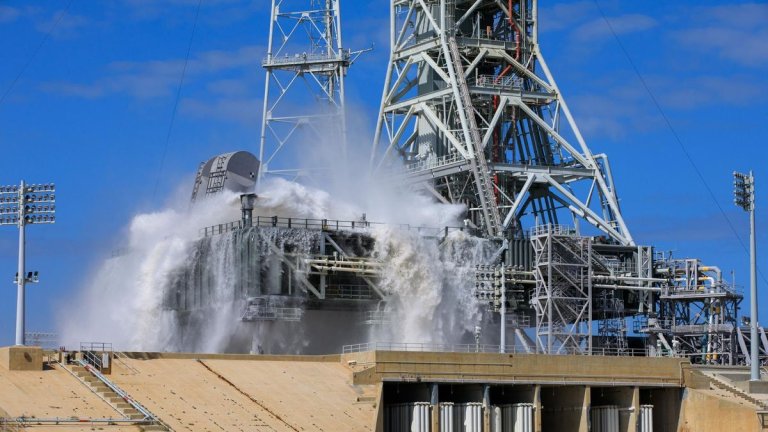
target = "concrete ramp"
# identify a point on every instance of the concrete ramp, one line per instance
(53, 393)
(251, 394)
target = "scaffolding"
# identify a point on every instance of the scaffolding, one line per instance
(472, 111)
(306, 64)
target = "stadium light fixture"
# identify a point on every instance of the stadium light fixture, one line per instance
(23, 205)
(744, 197)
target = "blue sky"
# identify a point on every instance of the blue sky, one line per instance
(92, 106)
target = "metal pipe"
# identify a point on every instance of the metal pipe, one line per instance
(503, 311)
(26, 421)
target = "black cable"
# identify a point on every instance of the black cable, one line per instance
(674, 133)
(176, 102)
(35, 52)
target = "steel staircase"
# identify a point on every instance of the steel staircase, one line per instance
(479, 164)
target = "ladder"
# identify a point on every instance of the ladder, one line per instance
(217, 176)
(479, 164)
(198, 181)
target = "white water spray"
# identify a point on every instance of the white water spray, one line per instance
(429, 279)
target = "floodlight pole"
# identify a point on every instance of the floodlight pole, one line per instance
(21, 278)
(755, 364)
(744, 194)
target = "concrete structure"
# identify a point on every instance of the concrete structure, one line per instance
(350, 392)
(21, 358)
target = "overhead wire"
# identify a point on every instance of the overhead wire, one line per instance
(35, 52)
(673, 131)
(176, 101)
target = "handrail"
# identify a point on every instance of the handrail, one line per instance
(120, 392)
(482, 348)
(320, 225)
(121, 357)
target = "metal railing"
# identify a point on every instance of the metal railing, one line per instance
(120, 392)
(91, 351)
(121, 358)
(552, 229)
(8, 424)
(349, 291)
(45, 340)
(343, 56)
(486, 348)
(511, 82)
(432, 162)
(271, 313)
(320, 225)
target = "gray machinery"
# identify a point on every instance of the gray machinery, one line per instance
(235, 171)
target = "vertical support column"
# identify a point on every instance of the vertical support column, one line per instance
(323, 251)
(589, 296)
(21, 278)
(549, 293)
(434, 399)
(486, 408)
(754, 346)
(586, 403)
(503, 310)
(537, 408)
(634, 414)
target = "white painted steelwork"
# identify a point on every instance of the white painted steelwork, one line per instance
(646, 418)
(468, 417)
(446, 417)
(604, 418)
(408, 417)
(512, 418)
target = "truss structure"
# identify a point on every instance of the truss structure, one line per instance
(562, 298)
(304, 90)
(471, 110)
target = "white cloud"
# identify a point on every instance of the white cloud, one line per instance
(242, 110)
(563, 16)
(598, 29)
(8, 14)
(158, 78)
(737, 33)
(61, 23)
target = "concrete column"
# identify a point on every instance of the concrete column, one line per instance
(537, 408)
(634, 415)
(434, 399)
(586, 403)
(487, 408)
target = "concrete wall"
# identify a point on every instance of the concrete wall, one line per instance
(626, 398)
(521, 368)
(205, 356)
(704, 412)
(21, 358)
(666, 407)
(565, 409)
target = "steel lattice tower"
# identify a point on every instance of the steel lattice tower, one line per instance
(305, 63)
(472, 110)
